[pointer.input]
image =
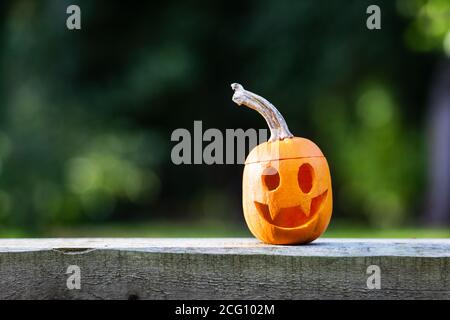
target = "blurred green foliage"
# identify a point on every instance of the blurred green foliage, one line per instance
(430, 29)
(86, 116)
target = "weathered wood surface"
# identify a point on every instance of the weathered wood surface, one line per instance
(223, 269)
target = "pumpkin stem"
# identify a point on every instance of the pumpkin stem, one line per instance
(277, 125)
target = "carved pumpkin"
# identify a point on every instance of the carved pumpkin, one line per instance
(287, 196)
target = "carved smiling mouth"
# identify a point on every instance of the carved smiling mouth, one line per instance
(291, 217)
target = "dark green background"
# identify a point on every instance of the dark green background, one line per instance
(86, 116)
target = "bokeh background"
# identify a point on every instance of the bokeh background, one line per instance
(86, 116)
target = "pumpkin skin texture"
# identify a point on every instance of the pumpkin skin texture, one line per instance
(286, 188)
(287, 200)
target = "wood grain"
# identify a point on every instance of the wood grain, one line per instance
(224, 269)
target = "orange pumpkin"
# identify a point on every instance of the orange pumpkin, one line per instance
(287, 196)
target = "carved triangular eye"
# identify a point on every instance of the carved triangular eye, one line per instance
(271, 178)
(305, 177)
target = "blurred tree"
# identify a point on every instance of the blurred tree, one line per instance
(86, 116)
(430, 32)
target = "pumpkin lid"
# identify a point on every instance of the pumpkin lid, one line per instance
(291, 148)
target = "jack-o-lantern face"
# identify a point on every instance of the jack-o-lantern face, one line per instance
(303, 203)
(289, 200)
(287, 196)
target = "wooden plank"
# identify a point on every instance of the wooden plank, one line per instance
(224, 269)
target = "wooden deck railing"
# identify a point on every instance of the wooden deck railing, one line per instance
(223, 269)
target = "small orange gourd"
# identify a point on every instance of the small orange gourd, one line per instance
(287, 196)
